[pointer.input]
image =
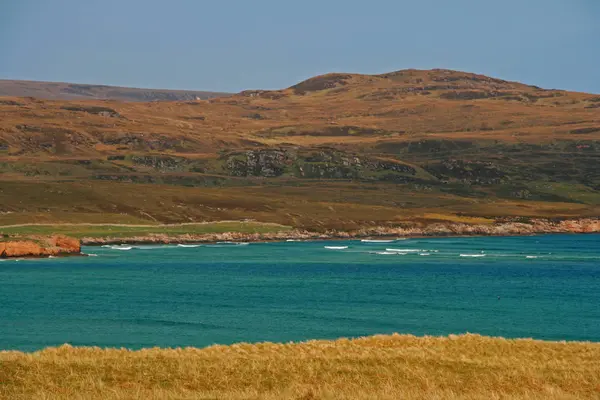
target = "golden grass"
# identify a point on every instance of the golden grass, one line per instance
(460, 219)
(378, 367)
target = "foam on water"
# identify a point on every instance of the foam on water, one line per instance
(122, 248)
(404, 250)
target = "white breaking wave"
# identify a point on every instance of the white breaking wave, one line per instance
(188, 245)
(336, 247)
(472, 255)
(424, 254)
(377, 241)
(404, 250)
(122, 248)
(389, 253)
(235, 243)
(92, 255)
(531, 256)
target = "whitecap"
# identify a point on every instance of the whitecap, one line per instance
(336, 247)
(472, 255)
(531, 256)
(188, 245)
(424, 254)
(404, 250)
(235, 243)
(121, 247)
(377, 241)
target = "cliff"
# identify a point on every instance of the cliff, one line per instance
(39, 247)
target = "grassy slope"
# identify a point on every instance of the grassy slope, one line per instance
(316, 206)
(128, 231)
(478, 146)
(382, 367)
(65, 91)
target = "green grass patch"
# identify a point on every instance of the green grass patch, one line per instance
(123, 231)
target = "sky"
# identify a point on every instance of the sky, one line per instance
(233, 45)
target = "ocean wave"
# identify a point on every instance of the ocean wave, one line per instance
(188, 245)
(472, 255)
(123, 248)
(234, 243)
(336, 247)
(377, 241)
(404, 250)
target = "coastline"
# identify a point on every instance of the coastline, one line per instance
(441, 229)
(27, 245)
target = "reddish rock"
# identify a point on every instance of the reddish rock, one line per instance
(40, 247)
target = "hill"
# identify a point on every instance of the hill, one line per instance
(338, 151)
(75, 91)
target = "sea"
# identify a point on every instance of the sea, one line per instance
(139, 296)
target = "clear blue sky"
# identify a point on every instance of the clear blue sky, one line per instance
(231, 45)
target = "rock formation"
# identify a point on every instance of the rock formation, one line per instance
(39, 247)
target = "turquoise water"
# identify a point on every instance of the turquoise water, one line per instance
(172, 296)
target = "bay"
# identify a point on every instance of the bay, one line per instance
(544, 287)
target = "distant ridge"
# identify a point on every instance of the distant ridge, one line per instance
(75, 91)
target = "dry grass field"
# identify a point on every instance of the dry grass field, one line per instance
(379, 367)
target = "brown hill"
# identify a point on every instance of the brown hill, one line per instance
(338, 150)
(75, 91)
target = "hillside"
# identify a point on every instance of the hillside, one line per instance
(338, 151)
(75, 91)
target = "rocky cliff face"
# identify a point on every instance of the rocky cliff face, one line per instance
(39, 247)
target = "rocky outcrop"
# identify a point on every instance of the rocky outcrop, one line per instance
(324, 163)
(39, 247)
(500, 228)
(468, 172)
(267, 163)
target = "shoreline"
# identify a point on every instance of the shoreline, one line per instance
(150, 240)
(437, 230)
(24, 245)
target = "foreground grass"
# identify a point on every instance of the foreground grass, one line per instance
(123, 231)
(379, 367)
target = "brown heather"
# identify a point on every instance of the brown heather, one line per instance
(378, 367)
(335, 152)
